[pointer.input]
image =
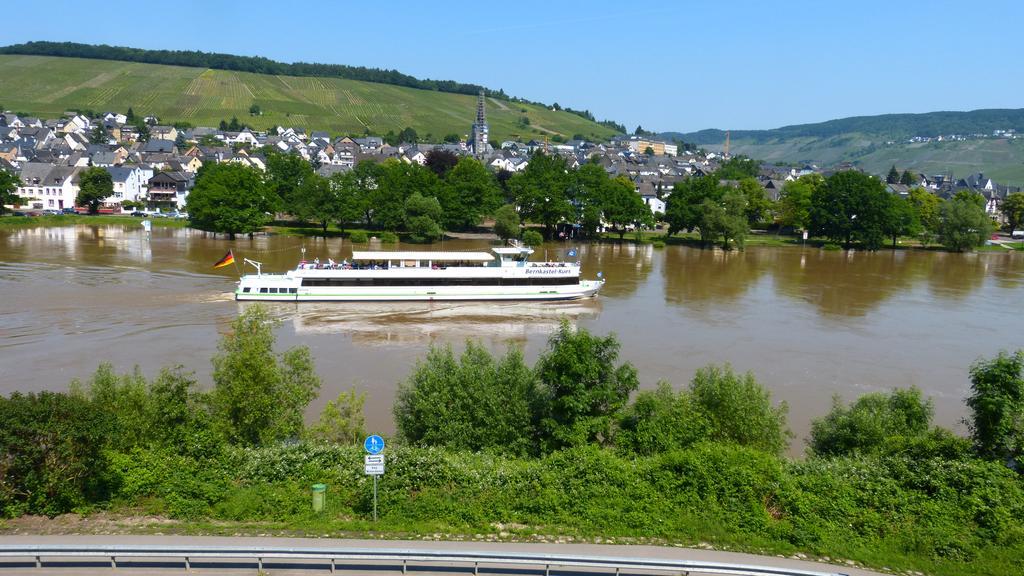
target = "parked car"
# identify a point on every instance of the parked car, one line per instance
(158, 215)
(1017, 235)
(52, 212)
(68, 211)
(140, 214)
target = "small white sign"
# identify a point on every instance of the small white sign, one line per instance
(373, 464)
(805, 234)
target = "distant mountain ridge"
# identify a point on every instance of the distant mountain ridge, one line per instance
(890, 126)
(874, 143)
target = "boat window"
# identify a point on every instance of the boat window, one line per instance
(246, 289)
(293, 290)
(418, 282)
(263, 290)
(273, 290)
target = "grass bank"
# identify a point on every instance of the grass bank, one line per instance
(9, 222)
(938, 516)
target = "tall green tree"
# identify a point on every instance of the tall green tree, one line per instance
(395, 182)
(408, 134)
(473, 402)
(351, 201)
(541, 191)
(893, 177)
(94, 186)
(795, 200)
(9, 184)
(316, 200)
(98, 134)
(284, 177)
(468, 194)
(506, 222)
(1012, 209)
(963, 223)
(997, 408)
(902, 219)
(907, 179)
(738, 168)
(851, 206)
(757, 206)
(582, 390)
(686, 206)
(259, 396)
(624, 208)
(422, 218)
(365, 175)
(926, 209)
(229, 198)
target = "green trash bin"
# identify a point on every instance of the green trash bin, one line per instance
(319, 491)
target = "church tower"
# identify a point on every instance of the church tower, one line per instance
(480, 129)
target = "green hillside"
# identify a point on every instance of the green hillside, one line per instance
(877, 142)
(48, 86)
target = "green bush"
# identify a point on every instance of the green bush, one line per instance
(358, 237)
(532, 238)
(50, 453)
(739, 410)
(473, 403)
(661, 420)
(870, 421)
(259, 396)
(388, 237)
(582, 390)
(831, 247)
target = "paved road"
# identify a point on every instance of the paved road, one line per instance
(658, 552)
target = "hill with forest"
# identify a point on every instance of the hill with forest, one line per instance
(935, 142)
(202, 89)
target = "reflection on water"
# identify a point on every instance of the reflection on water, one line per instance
(406, 322)
(809, 323)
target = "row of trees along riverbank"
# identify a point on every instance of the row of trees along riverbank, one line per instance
(490, 444)
(451, 193)
(448, 193)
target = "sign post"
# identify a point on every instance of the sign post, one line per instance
(373, 464)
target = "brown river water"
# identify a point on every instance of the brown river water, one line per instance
(809, 323)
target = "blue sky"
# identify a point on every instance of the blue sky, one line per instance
(664, 65)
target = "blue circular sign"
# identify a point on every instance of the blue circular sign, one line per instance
(374, 444)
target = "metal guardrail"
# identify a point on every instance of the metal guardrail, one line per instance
(417, 558)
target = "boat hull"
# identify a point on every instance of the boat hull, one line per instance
(585, 289)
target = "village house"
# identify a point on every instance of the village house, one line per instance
(169, 189)
(48, 186)
(129, 185)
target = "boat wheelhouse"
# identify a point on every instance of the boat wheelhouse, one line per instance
(502, 274)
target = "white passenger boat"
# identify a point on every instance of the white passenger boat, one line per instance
(505, 274)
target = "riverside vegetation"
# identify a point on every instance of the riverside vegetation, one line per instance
(490, 445)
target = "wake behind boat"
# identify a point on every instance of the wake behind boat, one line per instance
(502, 274)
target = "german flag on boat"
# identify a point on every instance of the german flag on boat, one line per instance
(227, 260)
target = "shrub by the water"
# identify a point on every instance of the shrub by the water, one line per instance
(388, 237)
(358, 237)
(532, 238)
